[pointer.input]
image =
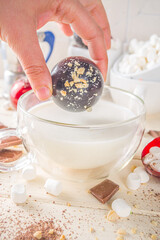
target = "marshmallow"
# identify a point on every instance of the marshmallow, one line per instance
(148, 158)
(155, 165)
(18, 193)
(151, 55)
(153, 39)
(121, 207)
(29, 172)
(133, 181)
(144, 177)
(155, 151)
(53, 187)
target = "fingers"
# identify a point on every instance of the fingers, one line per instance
(100, 17)
(66, 29)
(25, 44)
(85, 26)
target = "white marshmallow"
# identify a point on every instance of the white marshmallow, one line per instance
(144, 177)
(155, 165)
(151, 55)
(18, 193)
(155, 151)
(133, 45)
(29, 172)
(148, 158)
(141, 62)
(153, 39)
(133, 181)
(121, 207)
(53, 187)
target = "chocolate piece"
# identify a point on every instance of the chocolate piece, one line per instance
(7, 155)
(2, 126)
(104, 190)
(10, 141)
(154, 133)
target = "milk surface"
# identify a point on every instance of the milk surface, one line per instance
(80, 148)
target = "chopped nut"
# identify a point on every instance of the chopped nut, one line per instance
(92, 230)
(153, 237)
(154, 223)
(68, 204)
(121, 232)
(133, 167)
(80, 70)
(129, 192)
(112, 216)
(62, 237)
(69, 64)
(135, 206)
(133, 230)
(38, 234)
(63, 93)
(119, 238)
(51, 231)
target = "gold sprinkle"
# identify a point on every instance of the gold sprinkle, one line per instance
(62, 237)
(66, 84)
(80, 70)
(71, 83)
(133, 230)
(38, 235)
(74, 76)
(63, 93)
(154, 223)
(121, 232)
(77, 63)
(136, 206)
(69, 64)
(68, 204)
(94, 79)
(92, 230)
(153, 237)
(133, 167)
(88, 74)
(112, 216)
(51, 231)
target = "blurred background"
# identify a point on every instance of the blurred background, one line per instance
(128, 19)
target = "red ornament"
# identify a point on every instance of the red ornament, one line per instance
(149, 169)
(19, 88)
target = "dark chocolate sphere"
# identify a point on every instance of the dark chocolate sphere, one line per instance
(77, 84)
(79, 41)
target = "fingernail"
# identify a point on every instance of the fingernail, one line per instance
(43, 93)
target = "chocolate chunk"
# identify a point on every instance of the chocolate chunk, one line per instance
(7, 155)
(104, 190)
(2, 126)
(154, 133)
(10, 141)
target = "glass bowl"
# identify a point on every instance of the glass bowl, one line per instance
(85, 145)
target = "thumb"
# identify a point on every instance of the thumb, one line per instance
(25, 44)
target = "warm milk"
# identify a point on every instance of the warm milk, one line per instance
(80, 148)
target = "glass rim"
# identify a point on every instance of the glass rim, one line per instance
(85, 126)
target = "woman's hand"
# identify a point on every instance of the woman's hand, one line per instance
(19, 21)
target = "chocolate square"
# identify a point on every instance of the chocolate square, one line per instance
(104, 190)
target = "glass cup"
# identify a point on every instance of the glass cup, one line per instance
(104, 140)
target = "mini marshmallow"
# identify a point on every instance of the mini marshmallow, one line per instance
(148, 158)
(121, 207)
(53, 187)
(29, 172)
(155, 165)
(133, 181)
(18, 193)
(155, 151)
(151, 55)
(144, 177)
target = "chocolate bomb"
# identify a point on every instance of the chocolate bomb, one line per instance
(77, 84)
